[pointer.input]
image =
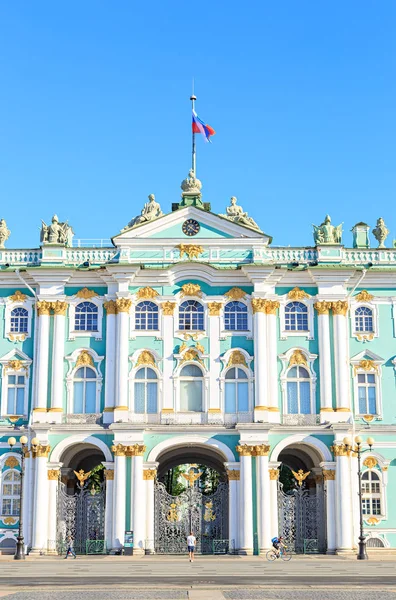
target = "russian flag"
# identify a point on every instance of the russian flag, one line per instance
(198, 126)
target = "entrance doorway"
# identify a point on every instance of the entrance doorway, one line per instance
(81, 501)
(191, 494)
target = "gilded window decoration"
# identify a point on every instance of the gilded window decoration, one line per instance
(364, 296)
(236, 358)
(18, 296)
(370, 462)
(297, 358)
(84, 359)
(235, 293)
(86, 294)
(145, 358)
(297, 294)
(11, 462)
(190, 250)
(146, 293)
(191, 289)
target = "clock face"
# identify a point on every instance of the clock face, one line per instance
(191, 227)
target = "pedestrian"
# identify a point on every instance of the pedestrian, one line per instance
(191, 543)
(70, 548)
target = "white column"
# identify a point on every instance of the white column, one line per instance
(343, 501)
(341, 355)
(260, 354)
(40, 509)
(139, 505)
(53, 473)
(110, 307)
(214, 362)
(57, 383)
(149, 477)
(326, 395)
(329, 482)
(272, 362)
(233, 512)
(273, 489)
(263, 499)
(353, 463)
(123, 306)
(27, 500)
(119, 498)
(167, 405)
(245, 505)
(109, 478)
(41, 359)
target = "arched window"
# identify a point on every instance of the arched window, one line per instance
(19, 320)
(235, 316)
(10, 493)
(84, 384)
(146, 315)
(191, 316)
(367, 393)
(364, 319)
(371, 494)
(296, 316)
(236, 391)
(16, 390)
(298, 391)
(191, 388)
(146, 391)
(86, 317)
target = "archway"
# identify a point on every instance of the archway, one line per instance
(195, 500)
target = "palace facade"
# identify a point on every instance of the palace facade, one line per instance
(190, 339)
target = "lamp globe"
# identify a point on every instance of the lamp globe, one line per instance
(359, 439)
(370, 441)
(35, 441)
(23, 439)
(347, 441)
(11, 441)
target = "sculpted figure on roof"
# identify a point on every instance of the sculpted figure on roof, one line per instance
(236, 214)
(326, 233)
(4, 233)
(56, 233)
(150, 211)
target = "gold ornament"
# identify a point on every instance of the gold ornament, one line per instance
(258, 305)
(370, 462)
(168, 308)
(274, 474)
(322, 307)
(339, 450)
(340, 307)
(191, 289)
(82, 476)
(109, 474)
(366, 365)
(329, 474)
(110, 307)
(11, 462)
(118, 450)
(149, 474)
(236, 358)
(191, 250)
(364, 296)
(172, 515)
(214, 308)
(9, 520)
(145, 358)
(297, 358)
(43, 308)
(271, 306)
(18, 296)
(41, 451)
(135, 450)
(233, 475)
(200, 348)
(53, 474)
(123, 305)
(86, 293)
(59, 308)
(209, 514)
(191, 476)
(191, 354)
(182, 347)
(245, 450)
(84, 359)
(262, 450)
(235, 293)
(372, 521)
(297, 294)
(146, 293)
(14, 365)
(300, 476)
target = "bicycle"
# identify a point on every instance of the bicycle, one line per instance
(271, 554)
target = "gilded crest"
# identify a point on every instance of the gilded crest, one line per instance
(11, 462)
(364, 296)
(297, 294)
(300, 476)
(190, 250)
(298, 358)
(191, 289)
(366, 365)
(236, 358)
(86, 294)
(84, 360)
(173, 515)
(235, 293)
(82, 476)
(18, 296)
(146, 293)
(370, 462)
(145, 358)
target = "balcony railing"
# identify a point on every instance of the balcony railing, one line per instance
(300, 419)
(84, 419)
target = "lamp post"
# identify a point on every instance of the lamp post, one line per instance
(362, 554)
(20, 550)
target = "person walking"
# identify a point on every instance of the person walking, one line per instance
(191, 543)
(70, 548)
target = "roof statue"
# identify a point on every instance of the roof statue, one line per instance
(56, 233)
(380, 232)
(236, 214)
(326, 233)
(150, 211)
(4, 233)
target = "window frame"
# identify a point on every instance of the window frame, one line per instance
(249, 383)
(376, 370)
(133, 380)
(26, 363)
(204, 317)
(3, 496)
(299, 380)
(74, 301)
(27, 304)
(374, 495)
(284, 333)
(364, 336)
(144, 332)
(205, 387)
(243, 332)
(310, 358)
(73, 368)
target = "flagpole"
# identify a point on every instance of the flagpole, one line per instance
(194, 155)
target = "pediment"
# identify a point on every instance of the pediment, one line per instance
(367, 355)
(169, 227)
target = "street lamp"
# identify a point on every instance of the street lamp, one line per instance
(20, 550)
(362, 554)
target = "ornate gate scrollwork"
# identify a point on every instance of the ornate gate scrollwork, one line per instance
(176, 516)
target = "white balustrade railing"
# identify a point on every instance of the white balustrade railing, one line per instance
(79, 256)
(91, 242)
(20, 257)
(300, 419)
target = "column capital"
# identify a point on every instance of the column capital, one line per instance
(109, 474)
(340, 307)
(118, 450)
(233, 474)
(43, 308)
(149, 474)
(60, 308)
(110, 307)
(273, 474)
(271, 306)
(123, 305)
(214, 308)
(329, 474)
(262, 450)
(322, 307)
(135, 450)
(339, 450)
(245, 450)
(168, 308)
(259, 305)
(53, 474)
(41, 451)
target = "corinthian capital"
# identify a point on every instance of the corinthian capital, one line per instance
(340, 307)
(43, 307)
(123, 305)
(259, 305)
(322, 307)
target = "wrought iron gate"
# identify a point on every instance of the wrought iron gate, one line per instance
(302, 519)
(81, 516)
(205, 515)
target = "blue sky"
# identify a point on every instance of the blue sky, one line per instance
(95, 112)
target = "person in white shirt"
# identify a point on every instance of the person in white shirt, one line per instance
(191, 543)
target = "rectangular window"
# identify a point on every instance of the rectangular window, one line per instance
(230, 397)
(191, 396)
(367, 393)
(16, 394)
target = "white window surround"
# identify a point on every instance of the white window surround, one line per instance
(309, 302)
(176, 384)
(376, 370)
(250, 377)
(26, 362)
(193, 334)
(73, 368)
(229, 332)
(73, 301)
(27, 304)
(362, 336)
(9, 496)
(383, 481)
(135, 333)
(310, 359)
(131, 377)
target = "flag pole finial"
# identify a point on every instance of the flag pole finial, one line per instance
(194, 156)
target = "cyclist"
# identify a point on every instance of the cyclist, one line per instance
(277, 543)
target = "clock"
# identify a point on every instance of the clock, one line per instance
(191, 227)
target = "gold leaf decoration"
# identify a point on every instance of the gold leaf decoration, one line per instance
(274, 474)
(145, 358)
(110, 307)
(297, 358)
(191, 289)
(271, 306)
(86, 294)
(9, 520)
(190, 250)
(149, 474)
(168, 308)
(300, 476)
(297, 294)
(372, 521)
(43, 308)
(214, 308)
(84, 360)
(123, 305)
(340, 307)
(53, 474)
(366, 365)
(364, 296)
(322, 307)
(259, 305)
(59, 308)
(146, 293)
(236, 358)
(233, 475)
(235, 293)
(11, 462)
(329, 474)
(245, 450)
(191, 354)
(18, 296)
(370, 462)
